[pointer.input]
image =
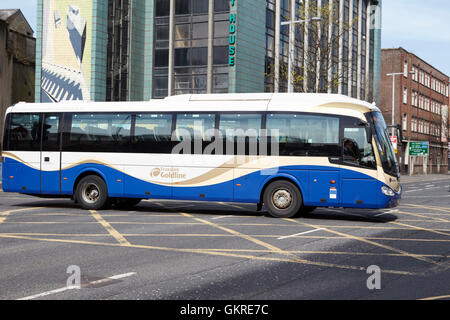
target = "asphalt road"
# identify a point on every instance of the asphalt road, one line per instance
(191, 250)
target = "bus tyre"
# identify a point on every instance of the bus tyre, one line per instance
(92, 193)
(282, 199)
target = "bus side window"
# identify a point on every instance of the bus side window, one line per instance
(99, 132)
(243, 129)
(355, 147)
(300, 134)
(194, 126)
(24, 132)
(50, 133)
(152, 133)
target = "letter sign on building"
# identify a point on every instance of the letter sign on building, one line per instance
(232, 36)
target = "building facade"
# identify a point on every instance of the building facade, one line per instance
(138, 50)
(17, 60)
(421, 103)
(346, 38)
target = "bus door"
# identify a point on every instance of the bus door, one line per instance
(51, 154)
(358, 170)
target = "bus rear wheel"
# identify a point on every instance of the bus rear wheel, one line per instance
(282, 199)
(92, 193)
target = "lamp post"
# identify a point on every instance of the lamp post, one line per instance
(291, 24)
(393, 96)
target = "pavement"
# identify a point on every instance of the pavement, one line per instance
(422, 177)
(182, 250)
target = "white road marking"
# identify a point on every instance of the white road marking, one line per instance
(414, 190)
(47, 293)
(387, 212)
(215, 218)
(297, 234)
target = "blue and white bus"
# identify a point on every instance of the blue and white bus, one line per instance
(288, 152)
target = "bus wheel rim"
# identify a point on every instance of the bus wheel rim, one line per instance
(91, 193)
(282, 199)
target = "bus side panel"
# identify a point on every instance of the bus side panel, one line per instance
(137, 188)
(72, 166)
(246, 190)
(218, 187)
(245, 185)
(147, 175)
(358, 190)
(4, 175)
(323, 188)
(23, 176)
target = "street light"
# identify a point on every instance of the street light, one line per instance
(393, 96)
(292, 41)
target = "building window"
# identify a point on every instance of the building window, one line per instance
(200, 6)
(221, 5)
(117, 61)
(405, 95)
(182, 7)
(162, 8)
(405, 68)
(220, 55)
(405, 122)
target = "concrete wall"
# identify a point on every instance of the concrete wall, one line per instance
(16, 69)
(6, 70)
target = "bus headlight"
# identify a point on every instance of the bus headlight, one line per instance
(387, 191)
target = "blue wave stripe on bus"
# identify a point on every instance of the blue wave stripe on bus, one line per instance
(351, 185)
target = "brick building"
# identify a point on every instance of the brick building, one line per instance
(421, 108)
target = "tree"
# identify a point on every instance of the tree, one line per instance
(318, 66)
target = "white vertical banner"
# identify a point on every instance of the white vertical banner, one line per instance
(444, 124)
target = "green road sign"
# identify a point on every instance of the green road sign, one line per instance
(418, 148)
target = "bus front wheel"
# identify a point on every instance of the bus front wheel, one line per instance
(92, 193)
(282, 199)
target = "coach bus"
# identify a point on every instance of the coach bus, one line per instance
(288, 152)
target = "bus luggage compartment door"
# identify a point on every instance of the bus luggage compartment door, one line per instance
(358, 190)
(324, 188)
(23, 175)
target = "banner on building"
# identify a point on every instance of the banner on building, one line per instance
(444, 124)
(66, 50)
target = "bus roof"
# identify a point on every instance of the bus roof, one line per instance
(240, 102)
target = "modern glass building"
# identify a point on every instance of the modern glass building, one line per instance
(138, 50)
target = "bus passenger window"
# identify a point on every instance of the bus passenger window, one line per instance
(99, 132)
(300, 134)
(152, 133)
(24, 132)
(243, 129)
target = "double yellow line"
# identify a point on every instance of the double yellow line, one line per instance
(113, 232)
